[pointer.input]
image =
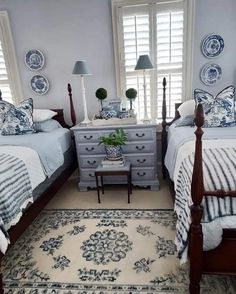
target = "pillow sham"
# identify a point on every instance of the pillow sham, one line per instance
(18, 119)
(47, 126)
(186, 121)
(218, 110)
(187, 108)
(43, 114)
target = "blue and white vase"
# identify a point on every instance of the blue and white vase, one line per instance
(113, 152)
(123, 113)
(108, 112)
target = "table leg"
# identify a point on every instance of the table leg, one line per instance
(98, 193)
(128, 184)
(102, 184)
(130, 181)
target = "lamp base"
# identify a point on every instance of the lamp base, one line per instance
(85, 122)
(146, 120)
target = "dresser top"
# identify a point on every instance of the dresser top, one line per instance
(108, 127)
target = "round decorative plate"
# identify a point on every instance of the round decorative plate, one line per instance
(34, 59)
(39, 84)
(210, 73)
(212, 45)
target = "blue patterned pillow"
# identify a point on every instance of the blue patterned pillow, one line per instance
(4, 107)
(19, 119)
(219, 110)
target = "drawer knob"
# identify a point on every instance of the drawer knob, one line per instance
(91, 162)
(89, 149)
(141, 174)
(88, 137)
(141, 161)
(140, 147)
(92, 176)
(140, 135)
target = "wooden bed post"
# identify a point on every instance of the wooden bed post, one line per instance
(197, 189)
(164, 132)
(72, 110)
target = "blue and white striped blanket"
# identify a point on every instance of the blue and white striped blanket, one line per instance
(15, 188)
(219, 169)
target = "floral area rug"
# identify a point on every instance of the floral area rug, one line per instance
(100, 252)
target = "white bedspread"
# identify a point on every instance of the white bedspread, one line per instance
(35, 169)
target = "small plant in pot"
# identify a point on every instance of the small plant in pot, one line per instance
(113, 143)
(131, 94)
(101, 94)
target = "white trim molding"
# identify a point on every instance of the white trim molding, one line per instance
(10, 58)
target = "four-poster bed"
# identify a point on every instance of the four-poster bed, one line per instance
(222, 259)
(47, 189)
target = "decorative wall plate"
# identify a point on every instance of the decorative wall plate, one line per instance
(212, 45)
(39, 84)
(34, 59)
(210, 73)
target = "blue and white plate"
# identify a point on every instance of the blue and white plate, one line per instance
(212, 45)
(210, 73)
(39, 84)
(34, 59)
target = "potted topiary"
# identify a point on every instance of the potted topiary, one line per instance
(113, 143)
(131, 94)
(101, 94)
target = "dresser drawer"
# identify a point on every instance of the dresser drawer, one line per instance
(139, 160)
(90, 161)
(87, 137)
(139, 147)
(143, 174)
(87, 174)
(143, 134)
(88, 149)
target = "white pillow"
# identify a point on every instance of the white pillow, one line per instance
(43, 114)
(187, 108)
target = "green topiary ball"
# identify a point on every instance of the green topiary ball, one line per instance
(101, 93)
(131, 93)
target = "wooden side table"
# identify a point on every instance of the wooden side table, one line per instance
(114, 171)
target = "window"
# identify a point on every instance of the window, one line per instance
(10, 85)
(162, 30)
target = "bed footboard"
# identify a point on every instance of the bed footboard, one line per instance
(221, 260)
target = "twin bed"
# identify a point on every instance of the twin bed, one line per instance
(33, 167)
(202, 174)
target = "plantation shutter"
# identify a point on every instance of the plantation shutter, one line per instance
(156, 29)
(136, 41)
(169, 54)
(4, 81)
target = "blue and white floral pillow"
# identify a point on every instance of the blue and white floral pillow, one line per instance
(4, 107)
(219, 110)
(19, 119)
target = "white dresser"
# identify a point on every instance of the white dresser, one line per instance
(140, 150)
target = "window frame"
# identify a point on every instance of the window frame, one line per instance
(10, 58)
(187, 72)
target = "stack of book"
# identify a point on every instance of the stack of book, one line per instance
(113, 163)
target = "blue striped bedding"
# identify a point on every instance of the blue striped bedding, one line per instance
(219, 169)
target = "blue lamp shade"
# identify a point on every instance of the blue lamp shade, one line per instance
(81, 68)
(144, 62)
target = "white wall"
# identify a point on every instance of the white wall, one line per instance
(69, 30)
(66, 31)
(215, 16)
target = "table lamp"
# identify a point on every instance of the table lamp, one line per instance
(80, 68)
(144, 63)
